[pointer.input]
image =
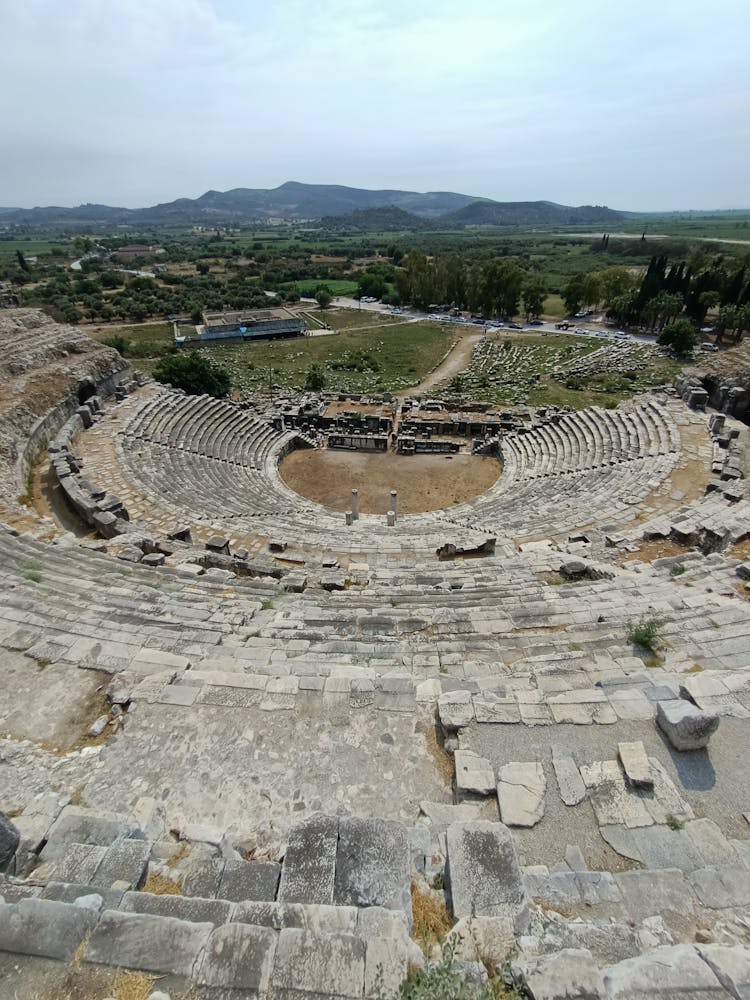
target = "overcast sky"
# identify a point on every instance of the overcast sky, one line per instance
(637, 105)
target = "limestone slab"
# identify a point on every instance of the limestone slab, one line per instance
(331, 965)
(309, 868)
(373, 864)
(569, 780)
(568, 974)
(44, 928)
(239, 957)
(635, 763)
(676, 970)
(521, 788)
(253, 880)
(482, 872)
(474, 774)
(685, 726)
(148, 943)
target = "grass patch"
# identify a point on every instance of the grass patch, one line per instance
(431, 920)
(160, 885)
(142, 340)
(674, 824)
(400, 355)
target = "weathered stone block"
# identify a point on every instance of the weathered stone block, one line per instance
(191, 908)
(372, 864)
(474, 774)
(570, 973)
(455, 710)
(635, 764)
(684, 725)
(9, 840)
(44, 928)
(309, 868)
(124, 861)
(239, 957)
(667, 972)
(253, 880)
(149, 943)
(520, 792)
(482, 872)
(331, 965)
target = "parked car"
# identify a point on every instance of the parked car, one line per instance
(707, 345)
(536, 322)
(515, 326)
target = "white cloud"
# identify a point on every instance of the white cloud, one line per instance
(132, 102)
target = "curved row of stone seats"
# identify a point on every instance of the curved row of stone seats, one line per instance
(203, 426)
(71, 605)
(589, 439)
(559, 504)
(203, 489)
(333, 916)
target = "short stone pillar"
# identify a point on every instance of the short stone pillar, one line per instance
(391, 518)
(716, 423)
(349, 518)
(355, 505)
(394, 503)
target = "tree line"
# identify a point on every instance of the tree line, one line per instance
(668, 293)
(497, 287)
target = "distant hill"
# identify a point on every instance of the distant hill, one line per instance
(294, 201)
(377, 220)
(529, 213)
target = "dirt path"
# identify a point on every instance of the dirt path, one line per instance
(458, 358)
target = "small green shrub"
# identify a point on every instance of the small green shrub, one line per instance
(673, 823)
(677, 570)
(443, 982)
(646, 632)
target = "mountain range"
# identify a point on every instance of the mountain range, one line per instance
(295, 202)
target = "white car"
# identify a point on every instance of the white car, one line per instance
(708, 346)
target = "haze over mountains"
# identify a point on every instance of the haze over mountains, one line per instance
(294, 201)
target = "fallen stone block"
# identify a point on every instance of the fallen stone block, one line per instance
(684, 725)
(569, 780)
(217, 543)
(676, 970)
(474, 774)
(568, 974)
(635, 764)
(520, 792)
(482, 873)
